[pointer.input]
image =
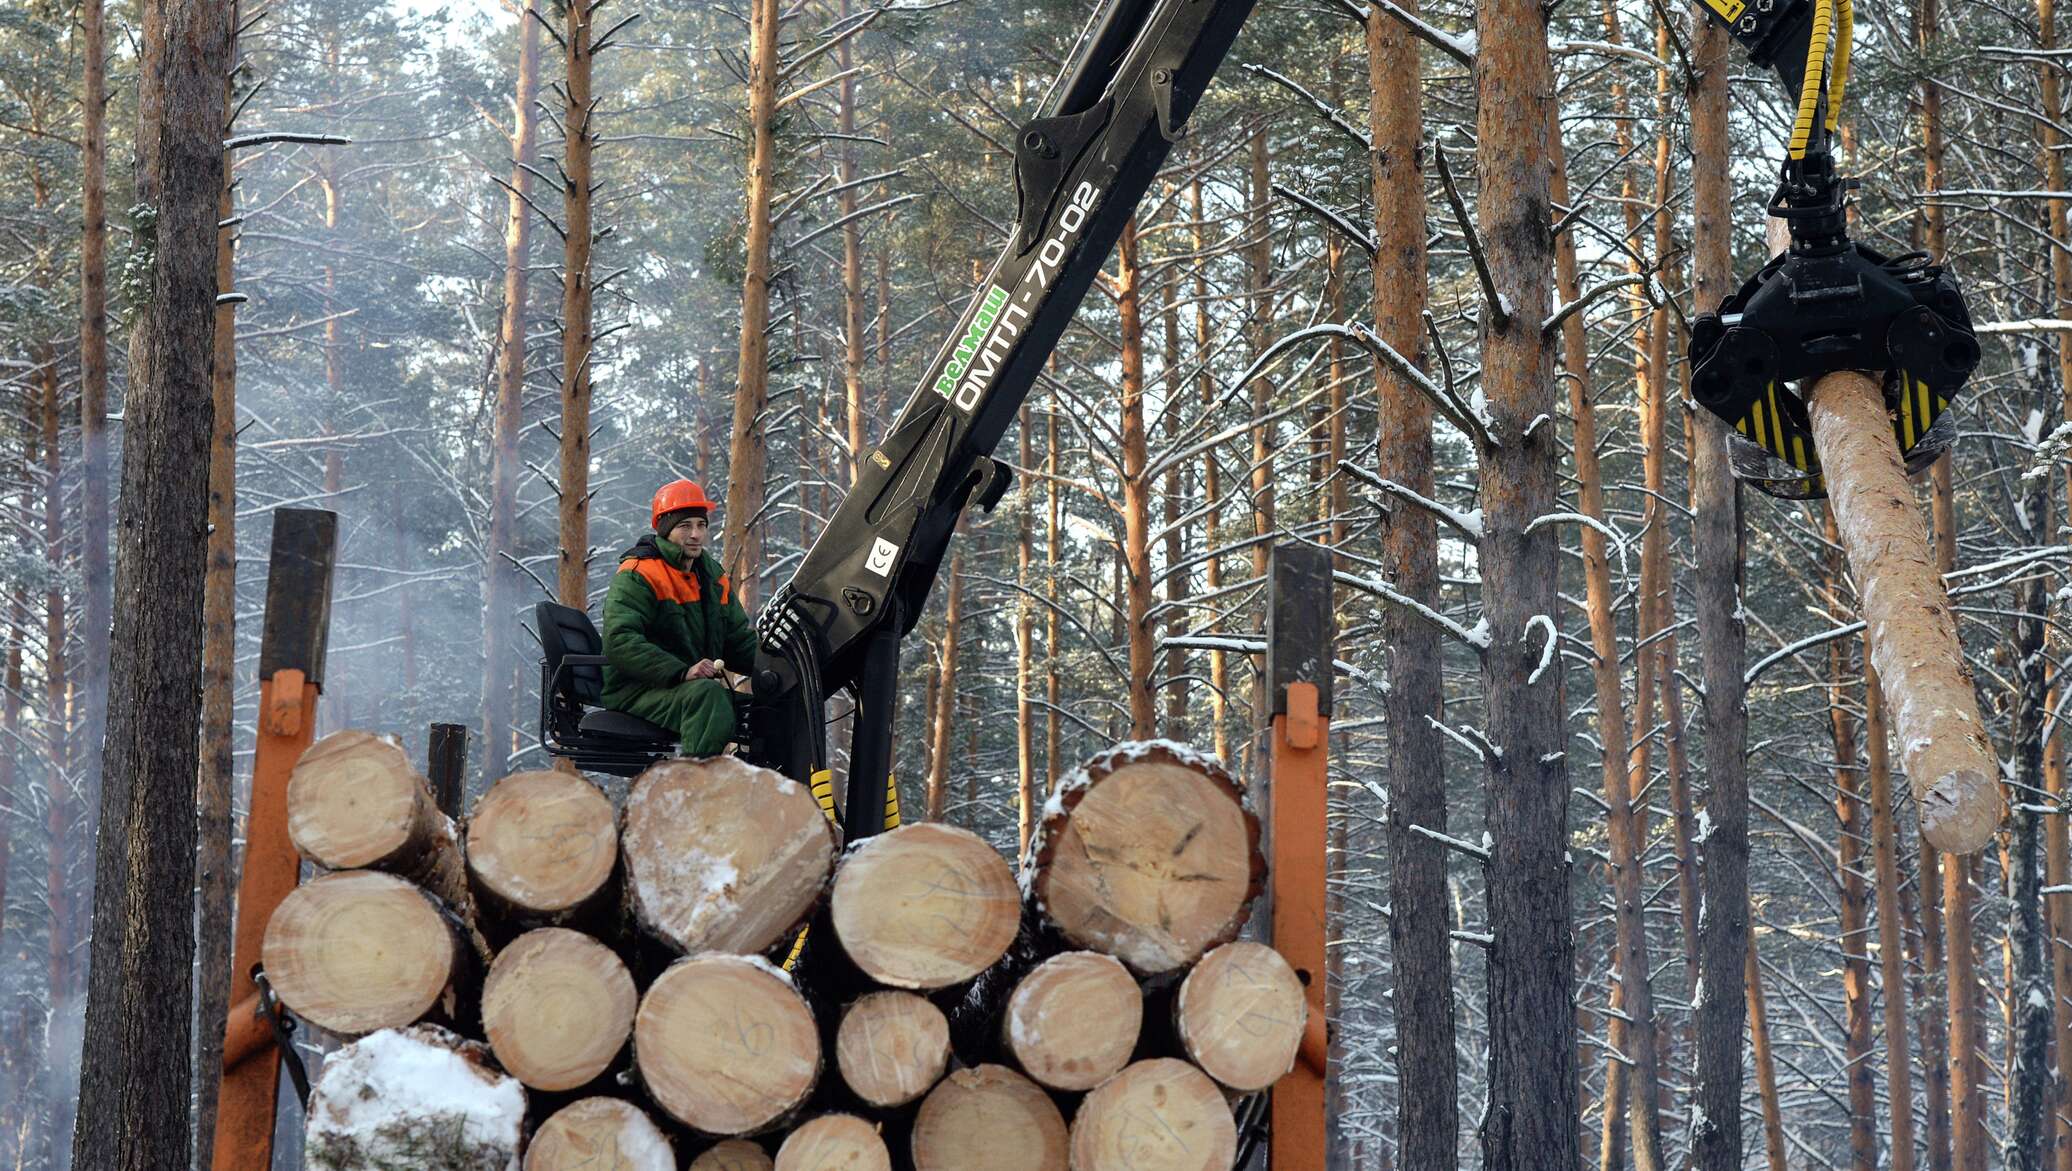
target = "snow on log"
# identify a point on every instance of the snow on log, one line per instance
(1910, 625)
(834, 1141)
(1147, 853)
(599, 1134)
(557, 1008)
(1072, 1023)
(1240, 1015)
(541, 850)
(733, 1155)
(355, 803)
(725, 1045)
(990, 1117)
(360, 950)
(723, 856)
(925, 906)
(891, 1047)
(1158, 1115)
(421, 1098)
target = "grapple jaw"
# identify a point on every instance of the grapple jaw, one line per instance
(1813, 312)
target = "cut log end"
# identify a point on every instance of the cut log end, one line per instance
(1072, 1023)
(557, 1008)
(354, 801)
(1907, 617)
(990, 1117)
(542, 843)
(359, 951)
(418, 1097)
(925, 906)
(723, 856)
(891, 1047)
(834, 1142)
(600, 1134)
(725, 1045)
(1159, 1115)
(1241, 1014)
(734, 1155)
(1148, 854)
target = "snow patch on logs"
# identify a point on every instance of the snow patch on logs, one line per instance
(420, 1098)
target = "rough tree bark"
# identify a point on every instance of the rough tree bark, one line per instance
(93, 390)
(746, 454)
(573, 580)
(133, 1105)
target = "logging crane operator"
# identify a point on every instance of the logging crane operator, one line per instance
(671, 625)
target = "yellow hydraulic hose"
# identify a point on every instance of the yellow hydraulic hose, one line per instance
(1839, 81)
(1809, 88)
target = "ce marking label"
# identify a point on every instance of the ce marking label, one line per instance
(883, 554)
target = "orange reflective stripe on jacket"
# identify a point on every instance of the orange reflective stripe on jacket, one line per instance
(669, 583)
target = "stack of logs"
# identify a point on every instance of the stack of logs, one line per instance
(570, 984)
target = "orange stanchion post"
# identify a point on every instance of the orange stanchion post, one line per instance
(1299, 658)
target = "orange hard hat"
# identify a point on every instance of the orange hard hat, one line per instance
(675, 496)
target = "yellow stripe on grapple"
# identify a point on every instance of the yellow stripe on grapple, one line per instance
(1755, 418)
(1777, 426)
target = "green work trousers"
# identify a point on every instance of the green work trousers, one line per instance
(699, 711)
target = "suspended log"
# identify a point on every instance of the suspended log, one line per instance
(990, 1117)
(557, 1008)
(356, 803)
(1148, 854)
(734, 1155)
(925, 906)
(891, 1047)
(725, 1045)
(1158, 1115)
(358, 951)
(421, 1098)
(600, 1134)
(1910, 626)
(1072, 1023)
(541, 851)
(834, 1141)
(1240, 1015)
(723, 856)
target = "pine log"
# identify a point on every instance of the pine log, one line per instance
(1910, 625)
(725, 1045)
(1147, 853)
(834, 1142)
(723, 856)
(734, 1155)
(355, 803)
(1240, 1015)
(1158, 1115)
(600, 1134)
(1072, 1023)
(541, 851)
(421, 1098)
(358, 951)
(892, 1046)
(557, 1008)
(925, 906)
(990, 1117)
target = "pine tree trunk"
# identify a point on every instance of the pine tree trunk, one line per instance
(1765, 1067)
(1212, 481)
(572, 584)
(944, 715)
(2029, 991)
(1024, 652)
(1177, 575)
(65, 796)
(134, 1099)
(1265, 436)
(852, 265)
(93, 391)
(746, 454)
(1427, 1081)
(1891, 951)
(1855, 933)
(503, 588)
(1136, 489)
(1053, 684)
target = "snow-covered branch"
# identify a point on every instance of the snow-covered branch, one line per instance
(1468, 524)
(1477, 637)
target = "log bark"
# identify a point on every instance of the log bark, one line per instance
(834, 1140)
(722, 856)
(599, 1134)
(542, 848)
(557, 1008)
(925, 906)
(1147, 853)
(1911, 627)
(892, 1047)
(356, 803)
(358, 951)
(991, 1117)
(421, 1098)
(1157, 1115)
(1073, 1022)
(733, 1155)
(725, 1045)
(1241, 1016)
